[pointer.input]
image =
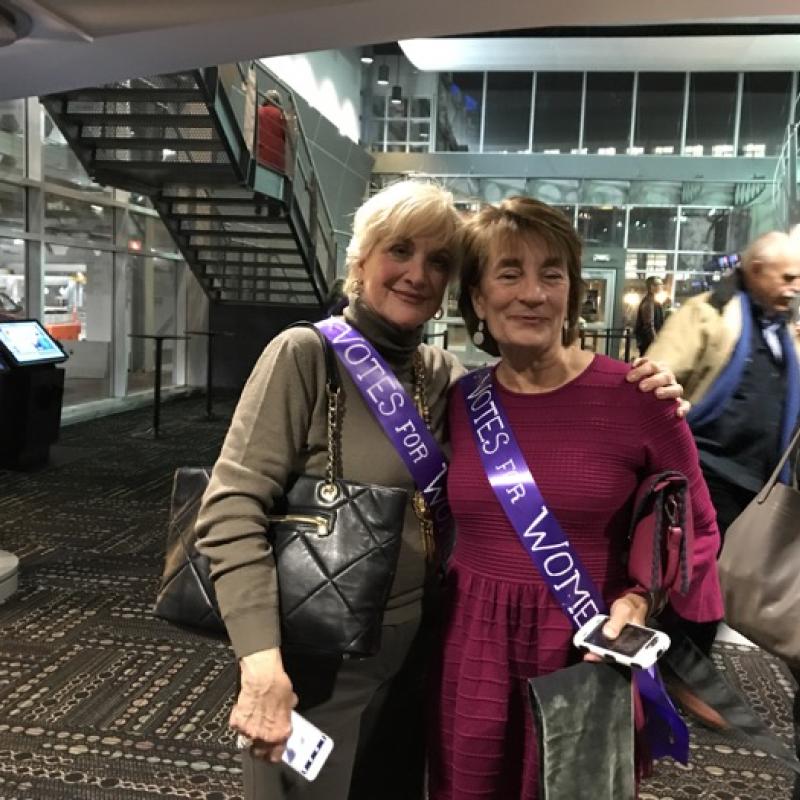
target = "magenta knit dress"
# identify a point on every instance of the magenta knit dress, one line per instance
(587, 444)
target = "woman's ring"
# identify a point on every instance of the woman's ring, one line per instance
(243, 742)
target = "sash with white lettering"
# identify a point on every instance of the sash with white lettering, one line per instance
(549, 548)
(396, 413)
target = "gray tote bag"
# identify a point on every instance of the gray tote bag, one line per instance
(759, 568)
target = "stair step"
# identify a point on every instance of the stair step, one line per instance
(267, 235)
(145, 120)
(226, 248)
(154, 143)
(167, 172)
(139, 94)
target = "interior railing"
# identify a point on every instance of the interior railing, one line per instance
(301, 191)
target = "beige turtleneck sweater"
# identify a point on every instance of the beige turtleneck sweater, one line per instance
(279, 430)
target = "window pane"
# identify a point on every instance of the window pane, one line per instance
(557, 114)
(151, 309)
(420, 131)
(397, 109)
(397, 131)
(659, 110)
(12, 136)
(607, 121)
(148, 234)
(508, 111)
(420, 107)
(12, 207)
(78, 311)
(61, 165)
(712, 111)
(766, 97)
(652, 228)
(704, 229)
(379, 106)
(12, 279)
(640, 265)
(458, 128)
(604, 226)
(89, 222)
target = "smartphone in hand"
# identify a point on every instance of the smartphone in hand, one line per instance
(636, 646)
(306, 750)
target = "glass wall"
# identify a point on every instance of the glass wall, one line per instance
(12, 279)
(12, 137)
(719, 114)
(557, 121)
(12, 207)
(711, 118)
(74, 239)
(766, 102)
(508, 112)
(151, 309)
(460, 98)
(78, 311)
(607, 118)
(61, 165)
(659, 112)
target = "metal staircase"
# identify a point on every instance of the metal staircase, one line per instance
(250, 234)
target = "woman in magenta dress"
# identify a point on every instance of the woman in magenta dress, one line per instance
(589, 437)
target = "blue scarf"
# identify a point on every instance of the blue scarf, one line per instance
(716, 399)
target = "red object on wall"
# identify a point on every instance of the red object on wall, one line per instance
(272, 137)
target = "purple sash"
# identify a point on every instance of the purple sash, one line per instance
(549, 548)
(397, 415)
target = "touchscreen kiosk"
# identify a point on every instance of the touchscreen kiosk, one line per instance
(26, 343)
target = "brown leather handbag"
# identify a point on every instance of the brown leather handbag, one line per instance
(759, 568)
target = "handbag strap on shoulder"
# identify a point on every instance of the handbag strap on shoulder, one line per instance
(333, 391)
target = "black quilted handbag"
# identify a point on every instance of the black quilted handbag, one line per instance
(336, 546)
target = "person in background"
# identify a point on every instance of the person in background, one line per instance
(649, 315)
(589, 438)
(737, 353)
(272, 133)
(404, 249)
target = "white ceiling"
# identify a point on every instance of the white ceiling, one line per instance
(84, 42)
(652, 53)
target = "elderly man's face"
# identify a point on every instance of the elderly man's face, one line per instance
(774, 279)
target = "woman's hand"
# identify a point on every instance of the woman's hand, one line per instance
(263, 708)
(658, 377)
(629, 608)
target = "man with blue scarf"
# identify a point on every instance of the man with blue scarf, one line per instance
(736, 353)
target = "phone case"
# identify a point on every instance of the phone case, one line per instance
(641, 657)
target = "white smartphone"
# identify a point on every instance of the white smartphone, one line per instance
(636, 646)
(307, 749)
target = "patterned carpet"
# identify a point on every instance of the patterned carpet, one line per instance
(98, 699)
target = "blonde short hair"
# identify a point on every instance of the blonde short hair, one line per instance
(405, 209)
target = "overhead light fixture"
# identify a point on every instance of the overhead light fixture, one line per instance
(383, 75)
(366, 56)
(397, 95)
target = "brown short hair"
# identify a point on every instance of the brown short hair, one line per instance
(514, 219)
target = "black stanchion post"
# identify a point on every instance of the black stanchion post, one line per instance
(157, 388)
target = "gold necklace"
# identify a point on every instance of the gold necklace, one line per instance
(418, 502)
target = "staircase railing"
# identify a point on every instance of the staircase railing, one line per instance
(301, 192)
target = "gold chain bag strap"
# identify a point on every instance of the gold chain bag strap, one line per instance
(420, 506)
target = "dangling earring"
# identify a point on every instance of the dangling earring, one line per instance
(478, 337)
(358, 285)
(439, 314)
